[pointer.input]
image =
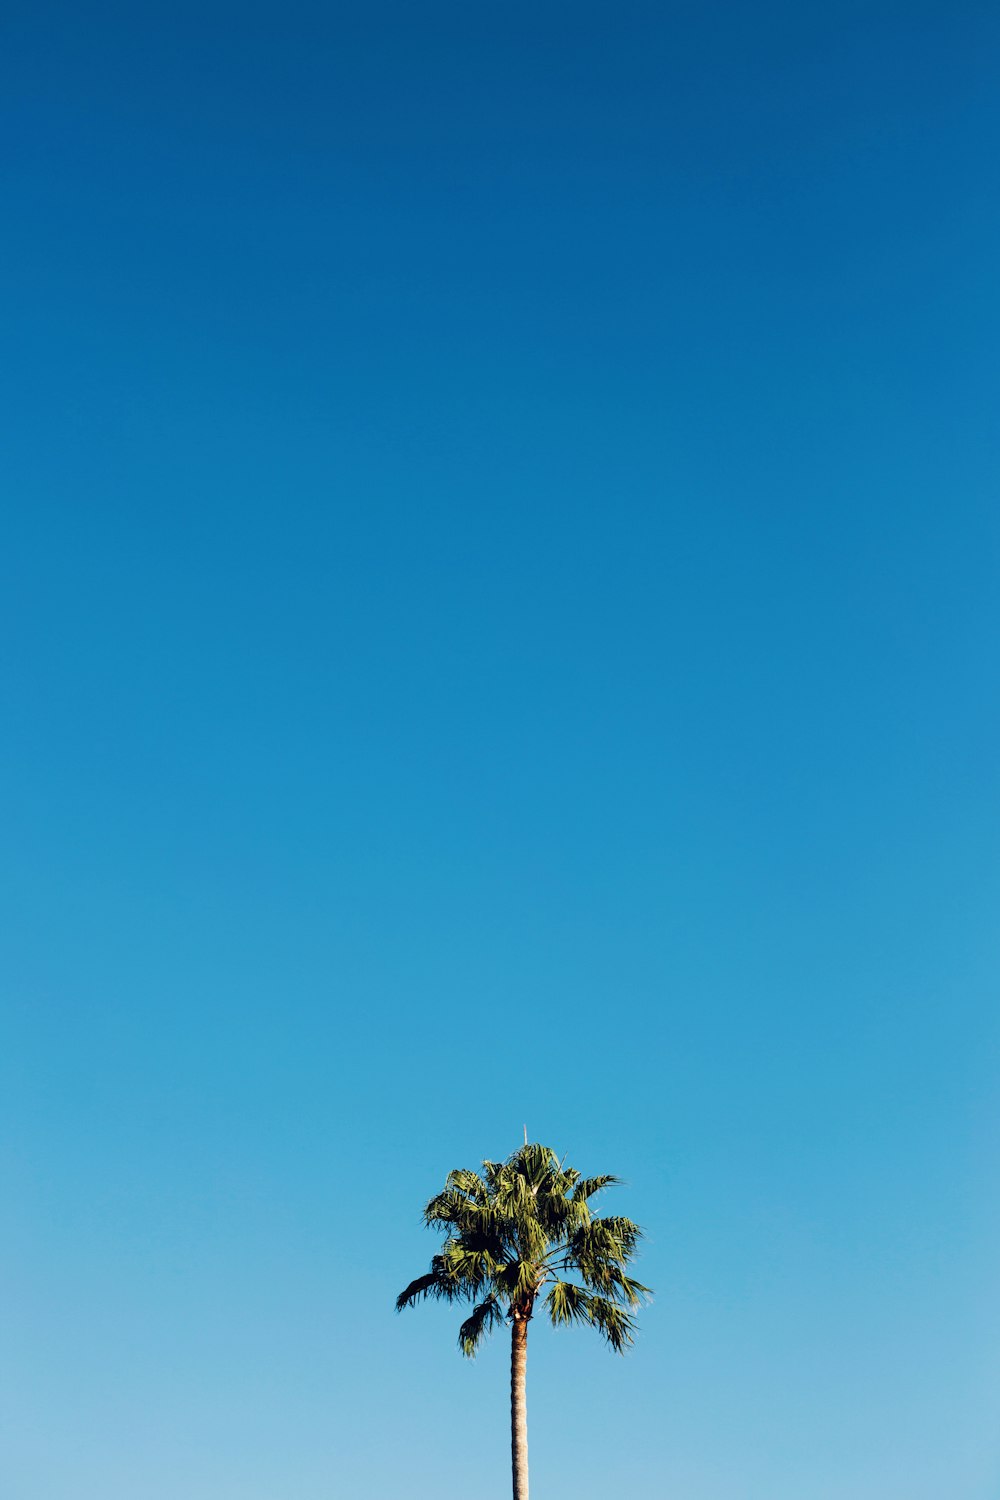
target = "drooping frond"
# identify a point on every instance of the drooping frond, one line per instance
(531, 1239)
(613, 1322)
(438, 1282)
(567, 1303)
(423, 1286)
(485, 1316)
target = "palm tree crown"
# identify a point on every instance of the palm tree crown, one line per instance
(517, 1232)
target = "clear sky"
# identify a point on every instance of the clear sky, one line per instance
(500, 617)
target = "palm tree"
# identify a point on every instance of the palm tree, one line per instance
(512, 1233)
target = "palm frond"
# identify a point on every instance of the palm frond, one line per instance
(480, 1322)
(468, 1182)
(611, 1240)
(423, 1286)
(492, 1171)
(534, 1161)
(588, 1186)
(609, 1280)
(449, 1207)
(626, 1231)
(532, 1241)
(437, 1282)
(467, 1269)
(567, 1303)
(613, 1322)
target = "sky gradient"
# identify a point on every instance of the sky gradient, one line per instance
(501, 618)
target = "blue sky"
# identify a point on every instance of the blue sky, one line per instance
(501, 623)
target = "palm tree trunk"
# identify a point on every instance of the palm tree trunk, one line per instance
(519, 1405)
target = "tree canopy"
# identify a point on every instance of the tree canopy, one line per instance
(523, 1230)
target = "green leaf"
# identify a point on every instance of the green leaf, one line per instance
(478, 1325)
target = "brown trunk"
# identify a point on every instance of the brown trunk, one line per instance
(518, 1404)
